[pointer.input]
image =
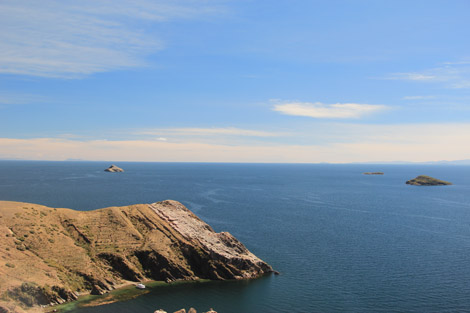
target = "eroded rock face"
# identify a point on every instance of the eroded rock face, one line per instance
(424, 180)
(233, 258)
(114, 169)
(60, 253)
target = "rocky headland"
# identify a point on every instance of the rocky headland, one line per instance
(52, 255)
(114, 169)
(423, 180)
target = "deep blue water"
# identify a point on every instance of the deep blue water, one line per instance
(343, 241)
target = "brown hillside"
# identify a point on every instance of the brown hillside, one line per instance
(51, 255)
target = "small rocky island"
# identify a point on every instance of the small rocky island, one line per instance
(50, 255)
(423, 180)
(114, 169)
(373, 173)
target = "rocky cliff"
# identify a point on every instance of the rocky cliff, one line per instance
(52, 255)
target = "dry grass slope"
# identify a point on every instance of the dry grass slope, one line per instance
(52, 255)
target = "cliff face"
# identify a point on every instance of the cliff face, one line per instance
(50, 255)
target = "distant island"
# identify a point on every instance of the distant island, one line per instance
(373, 173)
(114, 169)
(50, 256)
(423, 180)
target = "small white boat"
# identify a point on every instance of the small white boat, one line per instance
(140, 286)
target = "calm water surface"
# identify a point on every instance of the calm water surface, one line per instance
(343, 241)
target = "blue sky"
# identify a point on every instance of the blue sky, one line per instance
(235, 81)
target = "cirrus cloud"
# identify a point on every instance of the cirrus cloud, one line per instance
(70, 39)
(208, 131)
(453, 75)
(322, 110)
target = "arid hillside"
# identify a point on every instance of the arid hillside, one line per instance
(52, 255)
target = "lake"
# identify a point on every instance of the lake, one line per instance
(342, 241)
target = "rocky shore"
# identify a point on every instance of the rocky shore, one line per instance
(50, 256)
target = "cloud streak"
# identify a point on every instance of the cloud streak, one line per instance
(227, 131)
(418, 97)
(353, 143)
(454, 75)
(53, 38)
(321, 110)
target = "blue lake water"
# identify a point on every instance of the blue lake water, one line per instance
(343, 241)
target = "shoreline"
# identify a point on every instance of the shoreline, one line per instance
(123, 293)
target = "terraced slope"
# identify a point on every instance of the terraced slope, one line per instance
(51, 255)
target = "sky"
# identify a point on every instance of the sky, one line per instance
(285, 81)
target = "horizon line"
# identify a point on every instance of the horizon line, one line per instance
(440, 162)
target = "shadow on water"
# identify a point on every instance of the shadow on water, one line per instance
(202, 295)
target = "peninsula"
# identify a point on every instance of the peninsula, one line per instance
(52, 255)
(423, 180)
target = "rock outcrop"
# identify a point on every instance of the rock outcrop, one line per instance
(191, 310)
(424, 180)
(52, 255)
(114, 169)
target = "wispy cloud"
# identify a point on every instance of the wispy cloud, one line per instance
(463, 62)
(230, 131)
(321, 110)
(418, 97)
(357, 143)
(416, 76)
(53, 38)
(455, 75)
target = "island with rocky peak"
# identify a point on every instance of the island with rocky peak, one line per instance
(114, 169)
(423, 180)
(50, 256)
